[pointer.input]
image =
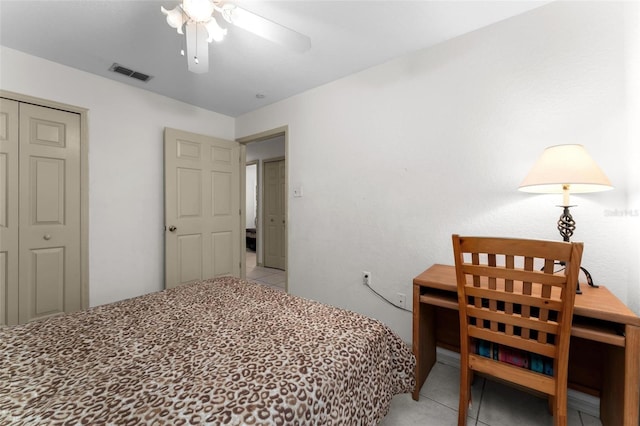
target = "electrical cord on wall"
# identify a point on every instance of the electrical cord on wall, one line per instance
(387, 300)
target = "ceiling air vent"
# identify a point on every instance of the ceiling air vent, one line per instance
(129, 73)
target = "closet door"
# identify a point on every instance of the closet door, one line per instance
(49, 240)
(8, 211)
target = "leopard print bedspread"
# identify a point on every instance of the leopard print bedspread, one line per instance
(218, 352)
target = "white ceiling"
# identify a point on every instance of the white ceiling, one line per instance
(346, 37)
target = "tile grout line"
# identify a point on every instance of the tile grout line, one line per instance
(484, 383)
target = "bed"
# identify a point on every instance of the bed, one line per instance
(221, 352)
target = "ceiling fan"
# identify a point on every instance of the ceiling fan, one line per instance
(199, 19)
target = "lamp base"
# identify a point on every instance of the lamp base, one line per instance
(566, 226)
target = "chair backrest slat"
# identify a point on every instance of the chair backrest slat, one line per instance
(481, 271)
(508, 287)
(517, 298)
(549, 265)
(544, 349)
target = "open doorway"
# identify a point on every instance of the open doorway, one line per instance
(251, 216)
(265, 211)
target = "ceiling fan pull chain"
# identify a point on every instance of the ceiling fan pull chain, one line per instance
(195, 57)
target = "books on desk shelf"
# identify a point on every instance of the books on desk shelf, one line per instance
(513, 356)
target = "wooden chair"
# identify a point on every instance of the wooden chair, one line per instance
(515, 314)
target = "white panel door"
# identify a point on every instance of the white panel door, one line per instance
(202, 207)
(274, 214)
(8, 211)
(50, 282)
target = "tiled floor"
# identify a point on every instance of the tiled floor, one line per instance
(275, 278)
(494, 404)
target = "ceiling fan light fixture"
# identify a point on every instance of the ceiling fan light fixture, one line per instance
(175, 18)
(215, 31)
(198, 10)
(227, 12)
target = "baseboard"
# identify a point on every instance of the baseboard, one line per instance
(580, 401)
(448, 357)
(583, 402)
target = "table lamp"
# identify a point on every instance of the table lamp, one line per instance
(565, 169)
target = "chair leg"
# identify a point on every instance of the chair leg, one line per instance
(465, 394)
(560, 408)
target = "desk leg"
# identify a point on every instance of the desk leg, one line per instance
(424, 340)
(632, 375)
(621, 387)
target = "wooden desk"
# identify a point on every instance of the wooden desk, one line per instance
(604, 356)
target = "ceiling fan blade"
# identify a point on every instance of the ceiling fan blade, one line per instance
(197, 48)
(265, 28)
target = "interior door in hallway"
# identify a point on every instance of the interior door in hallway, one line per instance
(202, 207)
(274, 214)
(49, 205)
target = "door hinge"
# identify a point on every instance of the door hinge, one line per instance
(239, 212)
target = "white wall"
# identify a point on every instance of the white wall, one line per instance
(395, 159)
(126, 212)
(632, 212)
(267, 149)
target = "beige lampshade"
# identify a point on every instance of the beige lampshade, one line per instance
(567, 167)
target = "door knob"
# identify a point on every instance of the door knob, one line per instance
(271, 220)
(47, 237)
(172, 228)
